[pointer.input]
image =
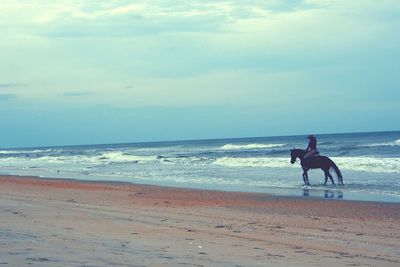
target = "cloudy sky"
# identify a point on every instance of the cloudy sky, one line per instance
(79, 72)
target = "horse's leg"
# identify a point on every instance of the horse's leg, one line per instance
(331, 178)
(326, 176)
(306, 177)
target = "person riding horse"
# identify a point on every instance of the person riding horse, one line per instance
(308, 160)
(312, 147)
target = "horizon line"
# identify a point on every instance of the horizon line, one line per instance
(201, 139)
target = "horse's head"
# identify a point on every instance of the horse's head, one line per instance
(296, 153)
(293, 155)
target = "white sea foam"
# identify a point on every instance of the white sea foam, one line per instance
(187, 160)
(120, 157)
(77, 159)
(105, 158)
(362, 163)
(250, 146)
(369, 164)
(25, 151)
(108, 157)
(254, 162)
(366, 164)
(394, 143)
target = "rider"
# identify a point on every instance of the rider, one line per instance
(312, 147)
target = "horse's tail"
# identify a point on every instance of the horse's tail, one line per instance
(337, 171)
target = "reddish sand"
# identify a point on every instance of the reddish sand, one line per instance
(49, 222)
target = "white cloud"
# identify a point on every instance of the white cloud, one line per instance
(187, 53)
(64, 18)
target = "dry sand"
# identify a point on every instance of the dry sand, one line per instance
(46, 222)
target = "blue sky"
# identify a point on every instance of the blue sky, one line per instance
(78, 72)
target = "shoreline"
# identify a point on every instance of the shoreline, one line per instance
(79, 223)
(332, 193)
(254, 198)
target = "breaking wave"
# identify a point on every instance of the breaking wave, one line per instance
(250, 146)
(120, 157)
(365, 164)
(105, 158)
(36, 151)
(369, 164)
(357, 163)
(394, 143)
(254, 162)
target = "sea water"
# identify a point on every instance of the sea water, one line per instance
(370, 164)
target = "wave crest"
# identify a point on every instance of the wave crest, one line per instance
(120, 157)
(250, 146)
(394, 143)
(254, 162)
(364, 164)
(369, 164)
(26, 151)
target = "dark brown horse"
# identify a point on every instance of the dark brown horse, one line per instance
(316, 162)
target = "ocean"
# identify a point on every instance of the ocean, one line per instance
(370, 164)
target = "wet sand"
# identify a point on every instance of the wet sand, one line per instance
(49, 222)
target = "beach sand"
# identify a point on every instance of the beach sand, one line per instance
(49, 222)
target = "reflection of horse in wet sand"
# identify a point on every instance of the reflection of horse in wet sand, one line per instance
(316, 162)
(326, 193)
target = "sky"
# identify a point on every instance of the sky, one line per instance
(90, 72)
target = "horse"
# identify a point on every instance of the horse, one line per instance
(315, 162)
